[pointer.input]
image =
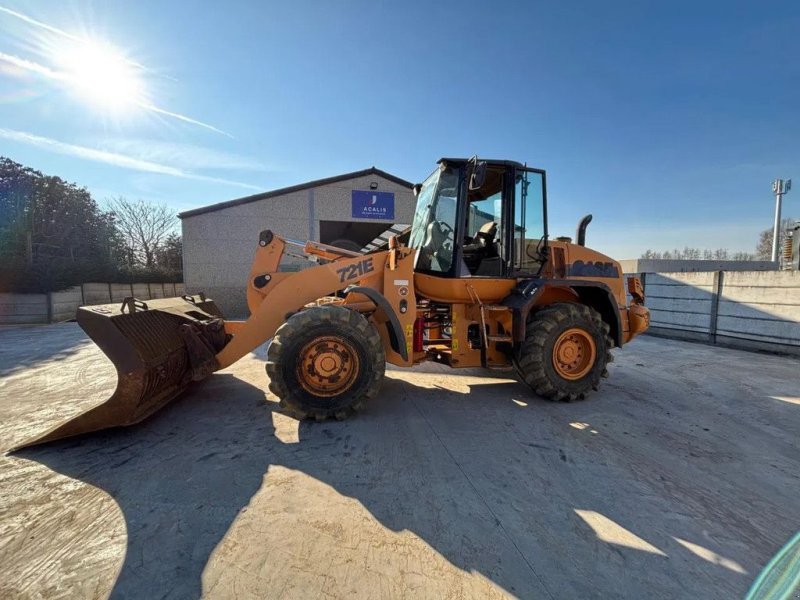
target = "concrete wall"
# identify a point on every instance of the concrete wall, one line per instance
(218, 246)
(63, 304)
(757, 310)
(28, 309)
(17, 309)
(661, 265)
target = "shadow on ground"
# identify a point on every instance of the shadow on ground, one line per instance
(482, 493)
(17, 353)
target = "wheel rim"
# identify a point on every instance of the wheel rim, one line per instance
(327, 366)
(574, 354)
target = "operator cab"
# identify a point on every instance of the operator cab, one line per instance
(480, 219)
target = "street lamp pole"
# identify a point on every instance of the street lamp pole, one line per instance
(780, 187)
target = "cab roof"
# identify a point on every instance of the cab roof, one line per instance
(488, 161)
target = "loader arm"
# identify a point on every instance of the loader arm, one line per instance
(272, 295)
(160, 347)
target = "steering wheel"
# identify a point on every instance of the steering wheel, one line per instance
(448, 234)
(540, 256)
(445, 228)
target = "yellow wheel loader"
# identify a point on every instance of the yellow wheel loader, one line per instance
(475, 282)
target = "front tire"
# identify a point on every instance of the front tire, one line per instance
(324, 362)
(565, 352)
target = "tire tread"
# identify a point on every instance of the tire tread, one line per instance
(340, 319)
(530, 359)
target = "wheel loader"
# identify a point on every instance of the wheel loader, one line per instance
(475, 282)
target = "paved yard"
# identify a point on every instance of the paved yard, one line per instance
(678, 479)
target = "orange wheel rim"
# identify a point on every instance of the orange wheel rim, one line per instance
(327, 366)
(574, 354)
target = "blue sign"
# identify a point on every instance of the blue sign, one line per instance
(373, 205)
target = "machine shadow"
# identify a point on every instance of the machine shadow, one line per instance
(51, 343)
(182, 478)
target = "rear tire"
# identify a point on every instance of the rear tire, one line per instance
(565, 352)
(326, 361)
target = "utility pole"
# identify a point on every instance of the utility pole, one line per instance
(779, 187)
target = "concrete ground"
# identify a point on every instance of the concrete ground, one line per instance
(678, 479)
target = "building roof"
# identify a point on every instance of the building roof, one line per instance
(294, 188)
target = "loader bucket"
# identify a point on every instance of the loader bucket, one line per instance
(158, 347)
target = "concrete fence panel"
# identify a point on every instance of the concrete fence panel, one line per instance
(758, 310)
(120, 291)
(762, 307)
(680, 303)
(96, 293)
(28, 309)
(17, 309)
(141, 291)
(63, 304)
(157, 290)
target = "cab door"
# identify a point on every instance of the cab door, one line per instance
(529, 231)
(486, 241)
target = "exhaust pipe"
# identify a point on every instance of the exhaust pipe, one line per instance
(580, 234)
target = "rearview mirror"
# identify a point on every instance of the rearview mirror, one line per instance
(478, 176)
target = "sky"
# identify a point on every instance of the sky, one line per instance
(667, 121)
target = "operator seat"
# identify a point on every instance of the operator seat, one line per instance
(484, 238)
(481, 247)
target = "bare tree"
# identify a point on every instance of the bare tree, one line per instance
(691, 253)
(696, 253)
(144, 227)
(169, 255)
(676, 254)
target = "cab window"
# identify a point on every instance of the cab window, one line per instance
(529, 229)
(483, 252)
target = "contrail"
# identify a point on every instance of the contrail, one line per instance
(112, 158)
(31, 66)
(49, 73)
(167, 113)
(32, 21)
(70, 36)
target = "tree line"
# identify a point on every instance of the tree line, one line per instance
(699, 254)
(763, 250)
(53, 234)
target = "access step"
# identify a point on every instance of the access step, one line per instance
(495, 307)
(499, 338)
(499, 367)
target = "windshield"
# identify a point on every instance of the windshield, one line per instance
(435, 221)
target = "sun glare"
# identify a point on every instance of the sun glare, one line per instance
(101, 74)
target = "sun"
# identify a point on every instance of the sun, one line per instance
(101, 74)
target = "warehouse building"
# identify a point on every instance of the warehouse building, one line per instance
(353, 211)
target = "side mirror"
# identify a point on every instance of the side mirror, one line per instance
(478, 176)
(416, 189)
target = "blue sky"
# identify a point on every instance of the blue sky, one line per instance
(667, 121)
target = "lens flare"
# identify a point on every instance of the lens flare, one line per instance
(99, 73)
